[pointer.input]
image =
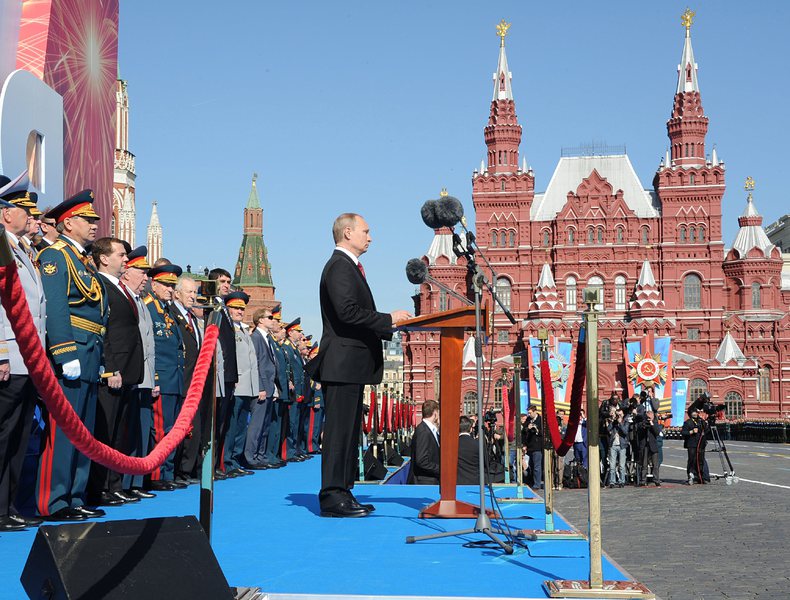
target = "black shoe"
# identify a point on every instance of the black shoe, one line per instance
(622, 485)
(295, 459)
(161, 486)
(186, 480)
(231, 474)
(241, 472)
(356, 503)
(219, 475)
(10, 524)
(108, 499)
(139, 493)
(658, 483)
(260, 467)
(344, 509)
(180, 485)
(127, 498)
(66, 514)
(27, 521)
(90, 513)
(278, 464)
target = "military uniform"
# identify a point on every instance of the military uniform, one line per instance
(295, 437)
(169, 368)
(76, 319)
(276, 449)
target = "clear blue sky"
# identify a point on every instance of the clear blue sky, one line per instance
(373, 107)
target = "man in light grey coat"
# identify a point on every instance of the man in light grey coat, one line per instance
(134, 278)
(17, 392)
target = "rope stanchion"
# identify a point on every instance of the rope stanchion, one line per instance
(38, 365)
(561, 446)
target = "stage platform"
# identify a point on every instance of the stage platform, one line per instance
(268, 534)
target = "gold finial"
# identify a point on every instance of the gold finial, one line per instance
(687, 18)
(501, 30)
(749, 185)
(443, 193)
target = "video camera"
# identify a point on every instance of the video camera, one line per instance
(490, 417)
(704, 404)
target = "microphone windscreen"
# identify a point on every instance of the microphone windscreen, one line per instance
(428, 213)
(416, 271)
(449, 211)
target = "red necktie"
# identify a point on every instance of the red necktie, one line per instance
(361, 270)
(131, 300)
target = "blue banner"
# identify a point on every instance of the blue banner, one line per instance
(679, 393)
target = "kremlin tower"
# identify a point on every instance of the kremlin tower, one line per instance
(124, 215)
(154, 237)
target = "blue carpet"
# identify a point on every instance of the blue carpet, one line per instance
(267, 533)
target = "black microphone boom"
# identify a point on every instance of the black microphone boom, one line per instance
(428, 213)
(417, 273)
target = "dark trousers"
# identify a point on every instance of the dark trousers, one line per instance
(316, 425)
(304, 426)
(650, 458)
(274, 439)
(343, 417)
(536, 467)
(258, 431)
(695, 465)
(293, 439)
(165, 410)
(580, 453)
(189, 453)
(17, 403)
(144, 422)
(115, 426)
(224, 408)
(63, 471)
(237, 432)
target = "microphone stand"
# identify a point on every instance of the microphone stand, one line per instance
(483, 522)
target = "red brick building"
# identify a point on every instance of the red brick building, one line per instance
(657, 253)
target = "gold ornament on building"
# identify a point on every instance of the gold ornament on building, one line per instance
(443, 193)
(749, 185)
(501, 30)
(687, 18)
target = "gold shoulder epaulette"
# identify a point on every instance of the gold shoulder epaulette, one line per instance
(58, 245)
(147, 300)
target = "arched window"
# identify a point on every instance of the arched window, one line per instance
(692, 234)
(503, 289)
(733, 403)
(571, 236)
(503, 239)
(701, 233)
(590, 235)
(545, 238)
(597, 282)
(757, 300)
(682, 231)
(620, 235)
(619, 293)
(512, 238)
(691, 179)
(692, 291)
(600, 235)
(764, 384)
(470, 403)
(502, 187)
(494, 238)
(645, 234)
(500, 383)
(443, 305)
(437, 384)
(697, 387)
(570, 294)
(606, 349)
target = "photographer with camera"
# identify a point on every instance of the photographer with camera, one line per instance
(494, 445)
(648, 431)
(695, 440)
(532, 433)
(617, 429)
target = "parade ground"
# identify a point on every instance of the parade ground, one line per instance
(699, 542)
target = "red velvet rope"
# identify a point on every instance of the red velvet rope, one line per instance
(13, 299)
(561, 446)
(367, 425)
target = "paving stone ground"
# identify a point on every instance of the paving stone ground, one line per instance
(701, 542)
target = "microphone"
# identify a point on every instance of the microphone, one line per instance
(449, 211)
(417, 273)
(428, 214)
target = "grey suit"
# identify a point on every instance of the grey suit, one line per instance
(146, 418)
(246, 389)
(18, 394)
(261, 410)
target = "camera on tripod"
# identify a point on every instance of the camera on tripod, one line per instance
(490, 417)
(704, 404)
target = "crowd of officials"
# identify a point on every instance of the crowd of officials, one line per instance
(123, 338)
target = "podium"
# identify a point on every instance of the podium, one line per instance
(451, 325)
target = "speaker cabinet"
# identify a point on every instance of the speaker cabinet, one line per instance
(133, 559)
(374, 470)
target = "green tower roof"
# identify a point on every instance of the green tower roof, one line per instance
(252, 267)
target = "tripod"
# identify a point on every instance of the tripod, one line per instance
(729, 474)
(483, 522)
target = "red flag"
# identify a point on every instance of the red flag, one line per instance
(508, 412)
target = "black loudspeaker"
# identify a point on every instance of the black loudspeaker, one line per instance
(149, 558)
(374, 470)
(393, 458)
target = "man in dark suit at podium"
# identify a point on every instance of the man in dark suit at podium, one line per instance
(425, 457)
(468, 454)
(350, 356)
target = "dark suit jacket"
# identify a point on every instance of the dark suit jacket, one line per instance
(350, 350)
(191, 348)
(267, 363)
(647, 436)
(123, 346)
(227, 341)
(425, 459)
(468, 460)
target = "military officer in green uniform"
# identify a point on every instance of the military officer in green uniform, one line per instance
(295, 439)
(278, 428)
(76, 317)
(168, 368)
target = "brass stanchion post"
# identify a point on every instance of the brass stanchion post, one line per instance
(504, 421)
(207, 468)
(517, 415)
(595, 587)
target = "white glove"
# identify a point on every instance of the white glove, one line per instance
(71, 369)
